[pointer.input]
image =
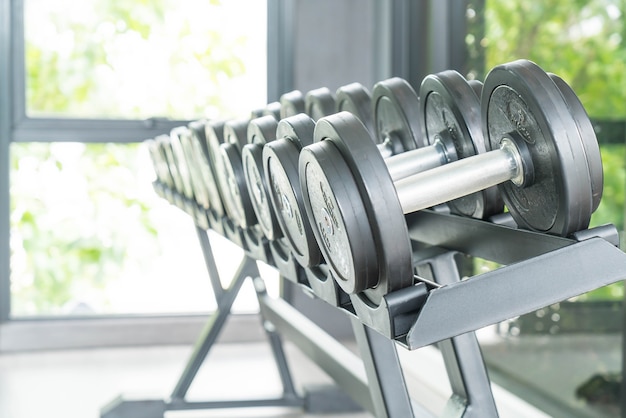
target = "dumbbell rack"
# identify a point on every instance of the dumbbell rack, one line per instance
(440, 308)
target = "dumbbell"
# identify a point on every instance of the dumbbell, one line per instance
(260, 131)
(280, 166)
(214, 132)
(180, 162)
(183, 136)
(447, 117)
(396, 100)
(159, 163)
(233, 186)
(356, 99)
(206, 176)
(168, 157)
(319, 103)
(291, 104)
(271, 109)
(543, 156)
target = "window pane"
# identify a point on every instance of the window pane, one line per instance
(181, 59)
(566, 358)
(90, 236)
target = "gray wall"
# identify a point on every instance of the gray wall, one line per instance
(333, 43)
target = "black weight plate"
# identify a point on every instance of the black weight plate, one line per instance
(160, 168)
(167, 175)
(450, 112)
(280, 161)
(477, 86)
(236, 132)
(262, 130)
(298, 129)
(214, 131)
(395, 108)
(588, 135)
(252, 158)
(291, 104)
(200, 148)
(243, 214)
(373, 206)
(319, 103)
(337, 217)
(168, 157)
(356, 99)
(520, 96)
(181, 162)
(256, 113)
(193, 164)
(272, 109)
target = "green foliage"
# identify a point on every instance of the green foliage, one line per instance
(584, 42)
(129, 59)
(74, 210)
(80, 217)
(581, 41)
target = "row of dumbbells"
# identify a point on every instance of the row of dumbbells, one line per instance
(329, 177)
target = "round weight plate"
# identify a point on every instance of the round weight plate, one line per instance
(180, 161)
(356, 99)
(291, 104)
(450, 112)
(280, 161)
(252, 157)
(206, 174)
(281, 169)
(243, 214)
(273, 110)
(236, 132)
(335, 212)
(395, 108)
(477, 86)
(298, 129)
(262, 130)
(168, 157)
(256, 113)
(319, 103)
(588, 135)
(154, 150)
(366, 202)
(214, 131)
(520, 96)
(193, 163)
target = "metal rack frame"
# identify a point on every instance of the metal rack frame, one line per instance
(441, 308)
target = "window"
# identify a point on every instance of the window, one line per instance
(88, 234)
(565, 359)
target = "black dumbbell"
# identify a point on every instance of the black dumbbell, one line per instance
(280, 163)
(261, 131)
(207, 179)
(319, 103)
(544, 157)
(448, 121)
(159, 163)
(291, 104)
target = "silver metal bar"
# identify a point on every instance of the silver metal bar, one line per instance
(516, 289)
(211, 266)
(457, 179)
(343, 366)
(415, 161)
(386, 382)
(247, 268)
